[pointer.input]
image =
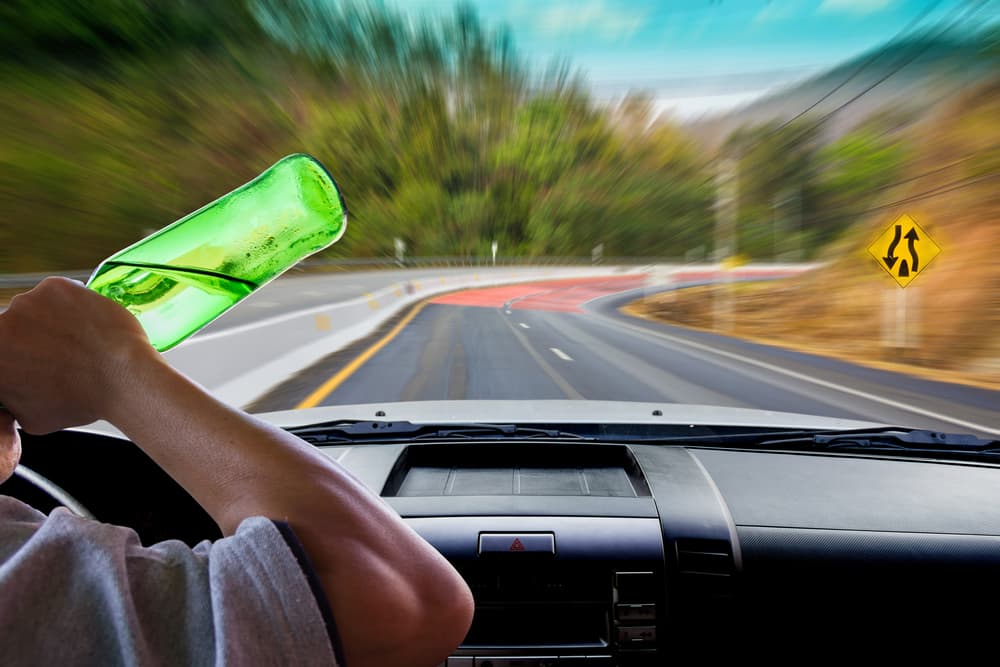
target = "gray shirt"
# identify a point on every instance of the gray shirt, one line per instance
(75, 592)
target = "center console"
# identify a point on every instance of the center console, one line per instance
(548, 590)
(561, 547)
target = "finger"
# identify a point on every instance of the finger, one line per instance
(10, 445)
(6, 422)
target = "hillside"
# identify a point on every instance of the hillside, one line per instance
(952, 191)
(120, 120)
(909, 76)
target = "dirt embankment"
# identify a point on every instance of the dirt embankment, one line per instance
(849, 308)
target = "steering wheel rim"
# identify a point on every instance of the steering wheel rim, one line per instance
(54, 491)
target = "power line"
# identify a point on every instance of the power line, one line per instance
(922, 48)
(863, 66)
(938, 170)
(940, 190)
(950, 165)
(878, 53)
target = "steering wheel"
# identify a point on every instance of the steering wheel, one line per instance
(53, 491)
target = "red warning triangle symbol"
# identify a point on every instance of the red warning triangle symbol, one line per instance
(516, 545)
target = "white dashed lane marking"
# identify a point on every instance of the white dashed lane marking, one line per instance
(562, 355)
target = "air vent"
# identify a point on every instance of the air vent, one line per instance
(705, 569)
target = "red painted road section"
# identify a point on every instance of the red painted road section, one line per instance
(553, 295)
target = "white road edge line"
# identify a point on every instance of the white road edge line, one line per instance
(562, 355)
(523, 325)
(805, 378)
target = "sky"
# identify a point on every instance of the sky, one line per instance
(700, 56)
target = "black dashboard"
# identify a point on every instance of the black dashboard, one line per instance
(625, 554)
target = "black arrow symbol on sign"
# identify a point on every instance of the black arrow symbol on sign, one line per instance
(890, 258)
(912, 237)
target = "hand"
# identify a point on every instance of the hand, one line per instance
(69, 356)
(10, 446)
(66, 353)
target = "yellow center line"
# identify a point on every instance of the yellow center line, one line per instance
(328, 387)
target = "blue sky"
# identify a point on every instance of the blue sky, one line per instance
(698, 56)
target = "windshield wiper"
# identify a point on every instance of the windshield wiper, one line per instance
(888, 439)
(752, 437)
(470, 431)
(354, 431)
(896, 440)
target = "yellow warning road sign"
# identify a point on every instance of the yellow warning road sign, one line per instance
(904, 250)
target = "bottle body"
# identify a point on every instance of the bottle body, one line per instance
(189, 273)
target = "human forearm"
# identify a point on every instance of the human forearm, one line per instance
(69, 356)
(378, 573)
(234, 465)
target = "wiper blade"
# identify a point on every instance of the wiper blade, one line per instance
(351, 428)
(916, 441)
(754, 437)
(915, 437)
(470, 431)
(352, 431)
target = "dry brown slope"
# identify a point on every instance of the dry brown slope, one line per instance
(953, 307)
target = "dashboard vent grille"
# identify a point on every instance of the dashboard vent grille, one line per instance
(705, 569)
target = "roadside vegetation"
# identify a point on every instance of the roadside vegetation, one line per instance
(849, 307)
(121, 116)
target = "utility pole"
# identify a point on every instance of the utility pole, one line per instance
(725, 209)
(775, 216)
(798, 223)
(725, 237)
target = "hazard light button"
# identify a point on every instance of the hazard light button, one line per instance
(517, 543)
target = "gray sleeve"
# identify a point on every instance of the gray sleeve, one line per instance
(76, 591)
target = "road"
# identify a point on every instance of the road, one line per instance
(297, 291)
(568, 340)
(294, 292)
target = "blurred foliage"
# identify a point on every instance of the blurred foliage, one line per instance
(38, 32)
(797, 194)
(123, 115)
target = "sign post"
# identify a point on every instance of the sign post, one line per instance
(597, 254)
(903, 251)
(400, 246)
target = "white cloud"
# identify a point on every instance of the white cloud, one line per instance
(606, 21)
(857, 7)
(690, 108)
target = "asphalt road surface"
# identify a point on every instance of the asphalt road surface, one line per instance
(293, 292)
(568, 340)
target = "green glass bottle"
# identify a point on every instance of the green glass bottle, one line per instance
(182, 277)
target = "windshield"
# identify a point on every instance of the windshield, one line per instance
(778, 205)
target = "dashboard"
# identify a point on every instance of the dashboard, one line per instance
(623, 554)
